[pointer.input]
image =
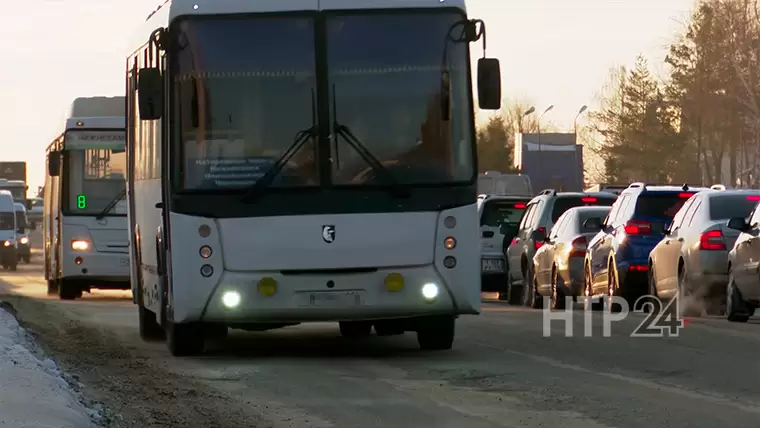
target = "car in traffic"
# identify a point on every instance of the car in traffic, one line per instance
(617, 259)
(541, 214)
(743, 288)
(499, 218)
(23, 246)
(558, 264)
(691, 261)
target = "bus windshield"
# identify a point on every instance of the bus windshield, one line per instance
(96, 172)
(241, 105)
(395, 60)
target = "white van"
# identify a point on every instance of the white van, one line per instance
(8, 252)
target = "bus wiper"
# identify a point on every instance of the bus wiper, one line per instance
(301, 138)
(344, 131)
(111, 204)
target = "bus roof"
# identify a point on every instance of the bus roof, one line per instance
(170, 10)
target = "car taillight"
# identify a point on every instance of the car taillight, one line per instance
(514, 241)
(634, 227)
(685, 195)
(520, 206)
(588, 200)
(579, 246)
(712, 240)
(540, 244)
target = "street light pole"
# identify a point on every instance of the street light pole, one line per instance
(575, 123)
(539, 125)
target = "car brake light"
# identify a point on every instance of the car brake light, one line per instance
(540, 244)
(685, 195)
(634, 227)
(588, 200)
(520, 206)
(579, 246)
(754, 198)
(712, 240)
(514, 241)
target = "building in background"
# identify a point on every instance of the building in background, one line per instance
(551, 160)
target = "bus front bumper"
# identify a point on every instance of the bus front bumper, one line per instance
(97, 267)
(274, 297)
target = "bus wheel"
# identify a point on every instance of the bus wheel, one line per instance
(150, 329)
(436, 333)
(184, 339)
(52, 287)
(355, 328)
(68, 290)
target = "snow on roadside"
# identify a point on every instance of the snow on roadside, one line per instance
(33, 392)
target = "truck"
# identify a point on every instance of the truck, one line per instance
(327, 174)
(13, 178)
(85, 243)
(502, 184)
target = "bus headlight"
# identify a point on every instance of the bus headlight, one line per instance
(430, 291)
(80, 245)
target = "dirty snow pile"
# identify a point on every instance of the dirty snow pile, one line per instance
(33, 394)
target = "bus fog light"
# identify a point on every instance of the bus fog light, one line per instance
(231, 299)
(430, 291)
(394, 282)
(207, 270)
(450, 243)
(78, 260)
(449, 222)
(450, 262)
(205, 251)
(267, 286)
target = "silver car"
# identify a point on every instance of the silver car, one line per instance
(558, 264)
(691, 261)
(743, 289)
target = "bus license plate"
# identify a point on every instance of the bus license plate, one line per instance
(493, 265)
(124, 261)
(332, 299)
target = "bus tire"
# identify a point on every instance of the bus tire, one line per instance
(436, 333)
(184, 339)
(150, 329)
(52, 287)
(68, 290)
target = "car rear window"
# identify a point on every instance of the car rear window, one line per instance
(497, 213)
(724, 207)
(662, 205)
(584, 215)
(564, 203)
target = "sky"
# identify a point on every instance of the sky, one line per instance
(552, 52)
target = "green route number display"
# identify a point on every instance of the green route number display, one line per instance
(81, 202)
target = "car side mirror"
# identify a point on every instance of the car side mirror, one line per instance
(738, 223)
(54, 163)
(150, 93)
(489, 84)
(594, 223)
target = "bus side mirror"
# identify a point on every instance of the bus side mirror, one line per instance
(54, 163)
(150, 93)
(489, 84)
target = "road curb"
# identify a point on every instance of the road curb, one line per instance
(8, 307)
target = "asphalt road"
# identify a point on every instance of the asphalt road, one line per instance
(502, 372)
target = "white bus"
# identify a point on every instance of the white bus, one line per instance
(325, 173)
(85, 237)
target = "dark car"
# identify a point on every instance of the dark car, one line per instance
(541, 214)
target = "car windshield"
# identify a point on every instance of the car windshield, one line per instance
(7, 220)
(723, 207)
(95, 170)
(18, 192)
(564, 203)
(243, 95)
(20, 221)
(396, 60)
(661, 205)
